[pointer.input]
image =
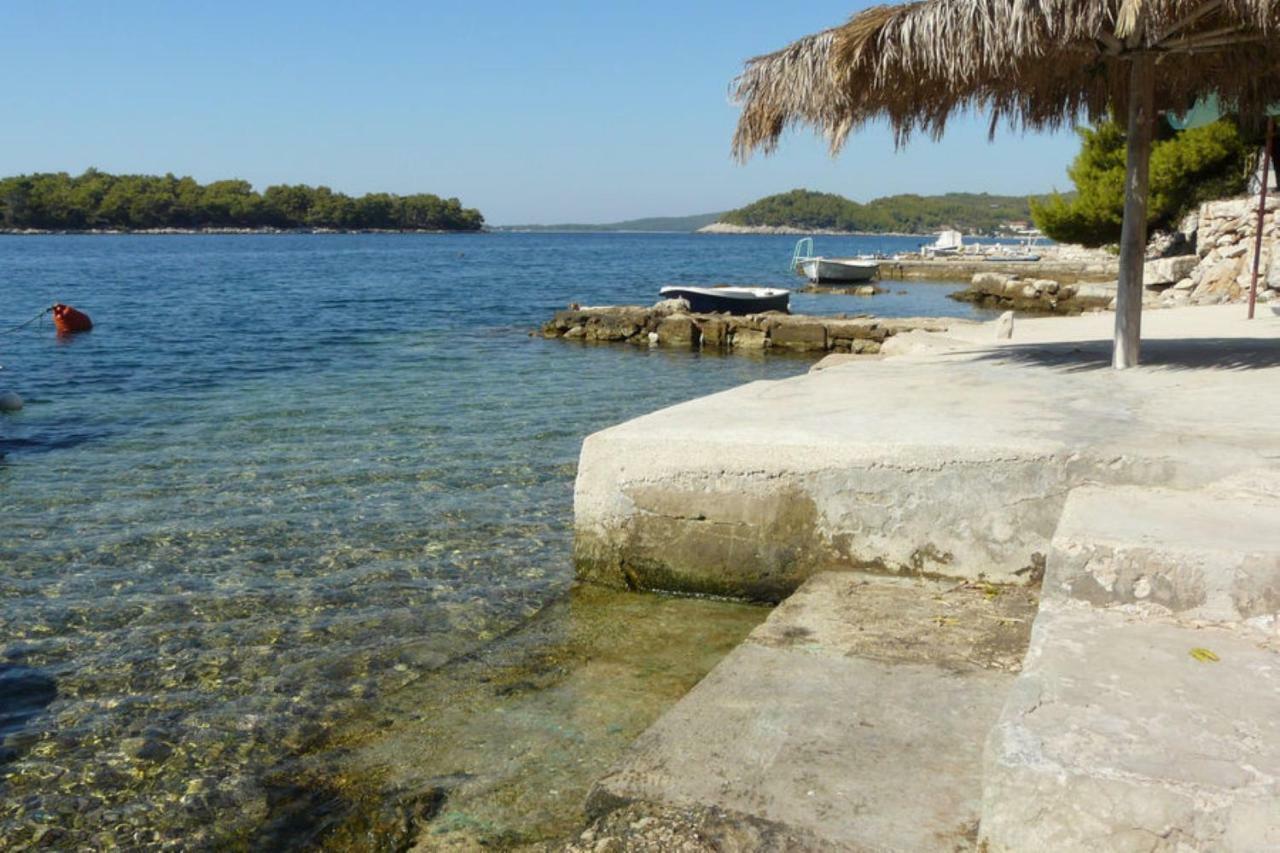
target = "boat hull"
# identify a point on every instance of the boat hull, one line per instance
(710, 300)
(822, 270)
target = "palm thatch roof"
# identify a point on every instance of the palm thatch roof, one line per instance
(1037, 64)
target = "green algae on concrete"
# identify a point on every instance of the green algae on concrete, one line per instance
(501, 747)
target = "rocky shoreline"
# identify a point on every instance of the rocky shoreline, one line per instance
(671, 324)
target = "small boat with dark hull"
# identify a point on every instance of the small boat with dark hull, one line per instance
(730, 300)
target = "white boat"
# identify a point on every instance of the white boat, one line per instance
(818, 269)
(948, 243)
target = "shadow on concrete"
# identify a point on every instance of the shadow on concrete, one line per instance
(1195, 354)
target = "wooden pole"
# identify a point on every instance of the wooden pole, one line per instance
(1133, 235)
(1262, 214)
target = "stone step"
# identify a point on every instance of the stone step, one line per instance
(855, 715)
(1211, 554)
(1122, 734)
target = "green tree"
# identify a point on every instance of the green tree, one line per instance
(1187, 168)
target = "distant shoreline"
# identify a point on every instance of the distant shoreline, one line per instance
(727, 228)
(152, 232)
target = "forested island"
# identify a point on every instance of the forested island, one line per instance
(903, 214)
(57, 201)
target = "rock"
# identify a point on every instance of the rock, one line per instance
(1185, 284)
(1218, 283)
(1013, 286)
(1046, 285)
(575, 333)
(1235, 251)
(869, 329)
(714, 332)
(864, 346)
(145, 749)
(1004, 326)
(10, 401)
(653, 339)
(1168, 270)
(678, 330)
(989, 282)
(866, 290)
(801, 337)
(615, 324)
(747, 338)
(671, 306)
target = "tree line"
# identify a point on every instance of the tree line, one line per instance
(908, 214)
(58, 201)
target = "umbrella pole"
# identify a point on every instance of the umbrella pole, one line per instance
(1133, 234)
(1262, 214)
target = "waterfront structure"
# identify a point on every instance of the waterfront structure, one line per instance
(1038, 66)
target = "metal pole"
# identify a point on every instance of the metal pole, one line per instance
(1262, 213)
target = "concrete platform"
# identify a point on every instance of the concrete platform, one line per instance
(1117, 738)
(952, 459)
(1213, 554)
(855, 716)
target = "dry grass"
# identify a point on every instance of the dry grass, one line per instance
(1030, 63)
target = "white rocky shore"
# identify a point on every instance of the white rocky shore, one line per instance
(1144, 713)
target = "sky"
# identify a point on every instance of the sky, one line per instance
(539, 111)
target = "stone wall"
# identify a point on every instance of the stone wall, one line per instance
(1224, 240)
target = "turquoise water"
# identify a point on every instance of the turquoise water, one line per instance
(286, 476)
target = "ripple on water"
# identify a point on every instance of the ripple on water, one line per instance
(284, 479)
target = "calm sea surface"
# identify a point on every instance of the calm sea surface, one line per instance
(276, 518)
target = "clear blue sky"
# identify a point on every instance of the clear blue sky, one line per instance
(532, 111)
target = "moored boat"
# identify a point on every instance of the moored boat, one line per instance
(819, 270)
(730, 300)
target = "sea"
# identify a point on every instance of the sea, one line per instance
(285, 541)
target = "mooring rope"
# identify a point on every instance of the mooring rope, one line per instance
(22, 326)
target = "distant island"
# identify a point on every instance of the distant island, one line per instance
(93, 201)
(684, 224)
(805, 211)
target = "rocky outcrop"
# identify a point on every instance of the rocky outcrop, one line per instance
(1222, 266)
(670, 324)
(1007, 291)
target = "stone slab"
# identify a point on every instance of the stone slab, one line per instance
(954, 461)
(1211, 554)
(1115, 738)
(855, 714)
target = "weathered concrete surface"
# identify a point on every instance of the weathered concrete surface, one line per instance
(1117, 738)
(1210, 555)
(854, 715)
(955, 460)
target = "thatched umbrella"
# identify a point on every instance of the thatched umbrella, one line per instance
(1035, 64)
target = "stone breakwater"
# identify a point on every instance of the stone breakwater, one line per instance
(670, 324)
(1007, 291)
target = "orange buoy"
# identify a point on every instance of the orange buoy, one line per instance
(68, 320)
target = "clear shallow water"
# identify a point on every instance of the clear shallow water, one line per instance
(286, 476)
